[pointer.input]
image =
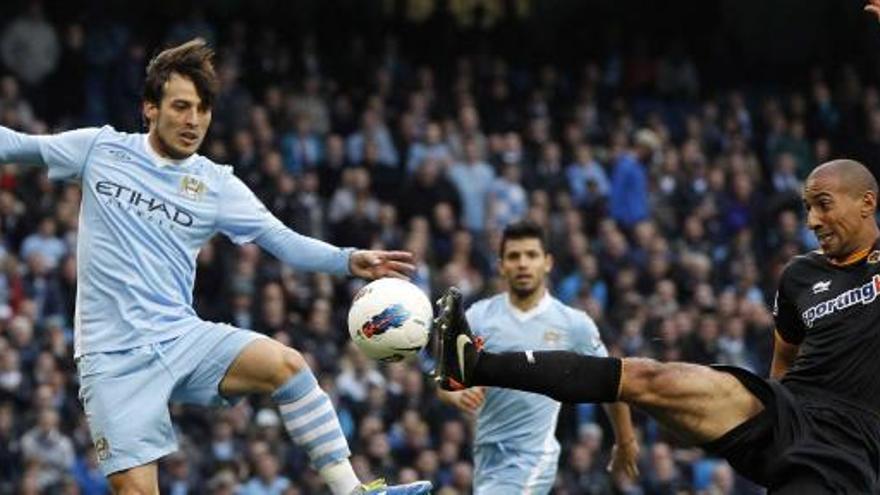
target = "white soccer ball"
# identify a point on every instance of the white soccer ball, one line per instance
(390, 319)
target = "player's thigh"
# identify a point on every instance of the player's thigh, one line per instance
(697, 402)
(136, 481)
(203, 358)
(125, 398)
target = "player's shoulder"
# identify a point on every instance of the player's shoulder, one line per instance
(120, 144)
(573, 317)
(805, 263)
(109, 134)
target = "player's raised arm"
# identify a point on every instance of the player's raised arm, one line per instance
(65, 154)
(19, 148)
(244, 218)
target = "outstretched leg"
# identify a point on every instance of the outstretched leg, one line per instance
(267, 366)
(698, 403)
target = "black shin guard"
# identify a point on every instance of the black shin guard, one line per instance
(561, 375)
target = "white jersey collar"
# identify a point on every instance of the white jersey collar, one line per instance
(526, 315)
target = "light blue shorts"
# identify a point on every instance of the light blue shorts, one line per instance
(126, 394)
(500, 471)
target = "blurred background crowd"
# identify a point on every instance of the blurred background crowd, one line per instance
(664, 157)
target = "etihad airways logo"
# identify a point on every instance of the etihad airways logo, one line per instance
(151, 209)
(864, 294)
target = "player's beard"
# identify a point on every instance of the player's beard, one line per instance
(169, 149)
(524, 292)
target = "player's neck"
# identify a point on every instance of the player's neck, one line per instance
(157, 149)
(528, 301)
(156, 145)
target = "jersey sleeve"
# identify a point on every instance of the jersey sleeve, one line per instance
(788, 321)
(586, 339)
(305, 253)
(64, 154)
(242, 216)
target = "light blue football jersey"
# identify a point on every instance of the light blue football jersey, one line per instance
(524, 421)
(142, 222)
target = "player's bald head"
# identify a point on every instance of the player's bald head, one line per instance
(852, 177)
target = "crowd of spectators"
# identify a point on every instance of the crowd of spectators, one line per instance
(671, 209)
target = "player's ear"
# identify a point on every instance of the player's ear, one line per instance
(548, 263)
(149, 110)
(869, 204)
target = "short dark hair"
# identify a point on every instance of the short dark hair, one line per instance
(524, 229)
(193, 60)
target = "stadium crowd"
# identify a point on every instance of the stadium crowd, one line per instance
(671, 209)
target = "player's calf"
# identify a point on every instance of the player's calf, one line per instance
(698, 403)
(311, 421)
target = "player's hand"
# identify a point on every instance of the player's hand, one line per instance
(624, 459)
(470, 399)
(873, 7)
(378, 264)
(467, 400)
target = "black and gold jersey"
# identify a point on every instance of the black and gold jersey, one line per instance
(833, 312)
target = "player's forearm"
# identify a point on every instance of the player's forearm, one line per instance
(779, 366)
(305, 253)
(621, 422)
(784, 355)
(16, 147)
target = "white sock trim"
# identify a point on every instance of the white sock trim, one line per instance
(340, 477)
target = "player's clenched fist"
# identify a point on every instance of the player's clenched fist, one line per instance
(468, 400)
(471, 399)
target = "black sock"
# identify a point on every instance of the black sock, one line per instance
(561, 375)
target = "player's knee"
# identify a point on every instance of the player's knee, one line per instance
(290, 362)
(132, 490)
(129, 486)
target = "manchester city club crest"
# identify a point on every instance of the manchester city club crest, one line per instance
(874, 257)
(102, 448)
(552, 337)
(192, 188)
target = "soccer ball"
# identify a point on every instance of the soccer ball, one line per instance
(390, 319)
